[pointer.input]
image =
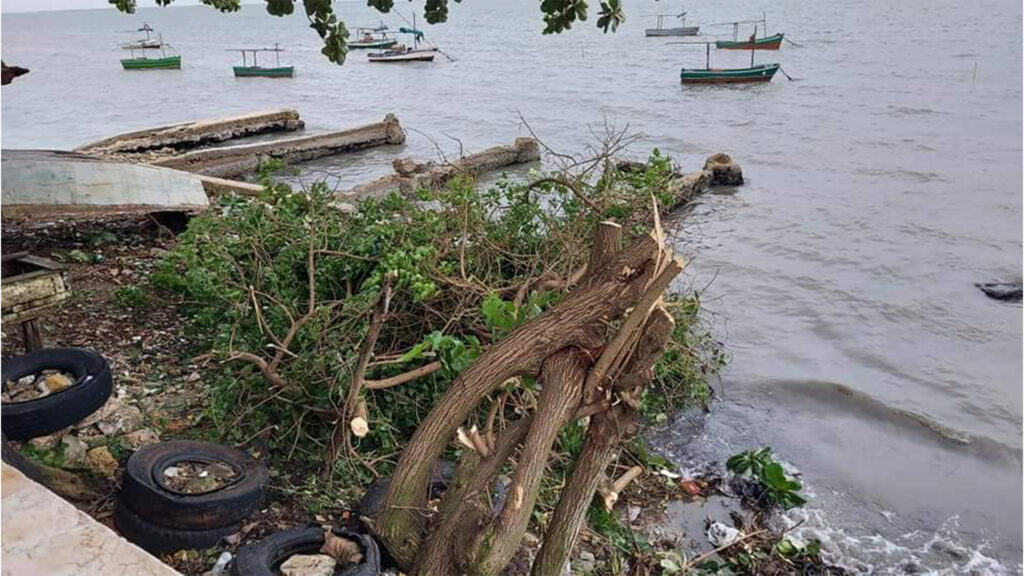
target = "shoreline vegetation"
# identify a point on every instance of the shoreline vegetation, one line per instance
(319, 339)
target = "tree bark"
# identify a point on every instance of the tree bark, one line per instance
(577, 321)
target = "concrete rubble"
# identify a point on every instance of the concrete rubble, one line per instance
(410, 175)
(242, 159)
(187, 135)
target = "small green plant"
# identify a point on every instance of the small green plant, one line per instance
(130, 296)
(761, 465)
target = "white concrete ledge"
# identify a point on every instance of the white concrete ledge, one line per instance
(44, 535)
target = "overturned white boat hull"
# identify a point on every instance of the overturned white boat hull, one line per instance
(51, 183)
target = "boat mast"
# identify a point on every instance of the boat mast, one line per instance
(707, 56)
(752, 46)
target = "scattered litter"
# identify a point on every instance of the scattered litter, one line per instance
(721, 535)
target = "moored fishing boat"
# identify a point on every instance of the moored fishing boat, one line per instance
(681, 30)
(375, 37)
(278, 71)
(403, 53)
(772, 42)
(759, 73)
(709, 75)
(143, 61)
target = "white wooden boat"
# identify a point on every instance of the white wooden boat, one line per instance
(403, 54)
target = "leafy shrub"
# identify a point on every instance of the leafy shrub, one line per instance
(455, 258)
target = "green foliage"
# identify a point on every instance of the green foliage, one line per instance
(457, 260)
(779, 489)
(559, 15)
(130, 296)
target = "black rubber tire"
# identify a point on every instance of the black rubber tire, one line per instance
(160, 539)
(264, 558)
(56, 411)
(223, 507)
(369, 505)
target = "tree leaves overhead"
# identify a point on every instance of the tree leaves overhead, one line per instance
(559, 16)
(610, 16)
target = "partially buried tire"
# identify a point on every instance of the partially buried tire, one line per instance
(146, 493)
(161, 539)
(60, 409)
(264, 558)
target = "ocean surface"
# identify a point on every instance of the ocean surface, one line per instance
(882, 183)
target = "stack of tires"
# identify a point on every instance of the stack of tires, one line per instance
(160, 519)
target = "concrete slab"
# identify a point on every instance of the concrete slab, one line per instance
(43, 535)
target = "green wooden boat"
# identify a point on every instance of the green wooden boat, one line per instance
(767, 43)
(255, 70)
(759, 73)
(279, 72)
(145, 63)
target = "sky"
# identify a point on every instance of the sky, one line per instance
(43, 5)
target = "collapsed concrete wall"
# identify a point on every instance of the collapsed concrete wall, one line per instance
(235, 161)
(187, 135)
(410, 175)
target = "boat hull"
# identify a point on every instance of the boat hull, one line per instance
(373, 44)
(679, 31)
(151, 63)
(410, 56)
(762, 73)
(253, 71)
(767, 43)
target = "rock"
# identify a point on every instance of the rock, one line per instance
(101, 461)
(1005, 291)
(74, 451)
(55, 382)
(633, 512)
(587, 561)
(127, 419)
(193, 377)
(109, 407)
(724, 172)
(48, 442)
(308, 565)
(405, 166)
(142, 437)
(171, 472)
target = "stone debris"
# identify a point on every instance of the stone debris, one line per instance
(142, 437)
(74, 451)
(411, 175)
(101, 461)
(587, 561)
(724, 172)
(198, 477)
(308, 565)
(35, 386)
(127, 419)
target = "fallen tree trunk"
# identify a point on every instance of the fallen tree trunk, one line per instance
(559, 346)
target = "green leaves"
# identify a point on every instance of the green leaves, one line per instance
(610, 16)
(760, 465)
(436, 11)
(559, 15)
(280, 7)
